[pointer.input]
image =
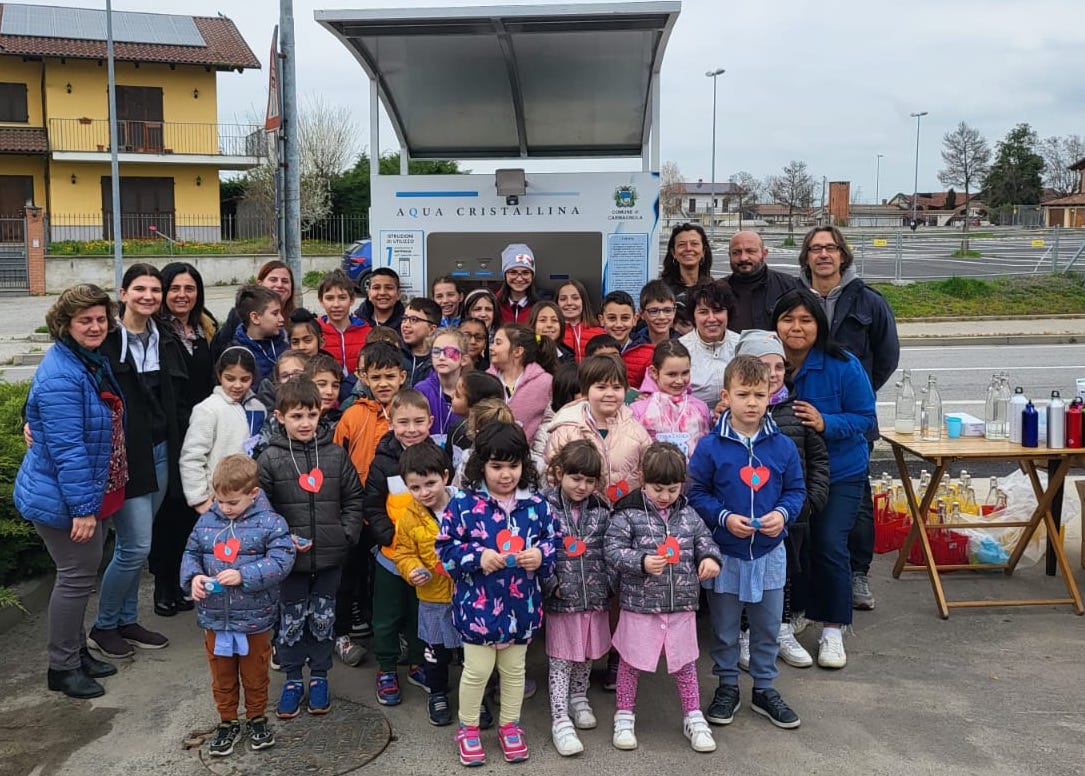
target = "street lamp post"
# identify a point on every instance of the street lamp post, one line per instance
(877, 178)
(713, 74)
(915, 188)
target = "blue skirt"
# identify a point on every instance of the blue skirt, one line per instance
(435, 625)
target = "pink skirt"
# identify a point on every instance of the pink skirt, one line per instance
(577, 636)
(642, 638)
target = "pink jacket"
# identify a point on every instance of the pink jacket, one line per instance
(622, 448)
(531, 397)
(681, 420)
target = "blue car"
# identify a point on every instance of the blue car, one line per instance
(358, 263)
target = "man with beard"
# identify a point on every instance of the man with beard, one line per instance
(755, 286)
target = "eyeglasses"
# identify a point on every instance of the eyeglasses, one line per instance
(519, 273)
(655, 312)
(414, 319)
(284, 376)
(450, 352)
(476, 337)
(830, 248)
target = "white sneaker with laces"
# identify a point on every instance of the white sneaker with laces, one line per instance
(831, 650)
(583, 716)
(624, 737)
(350, 653)
(565, 738)
(697, 731)
(791, 651)
(744, 650)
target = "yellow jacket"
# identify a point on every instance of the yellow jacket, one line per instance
(416, 530)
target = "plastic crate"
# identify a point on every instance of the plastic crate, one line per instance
(948, 547)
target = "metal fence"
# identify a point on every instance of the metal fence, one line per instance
(934, 253)
(340, 230)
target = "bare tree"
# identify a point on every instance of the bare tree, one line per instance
(967, 158)
(670, 189)
(747, 189)
(794, 187)
(1059, 153)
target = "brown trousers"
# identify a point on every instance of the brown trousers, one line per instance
(251, 670)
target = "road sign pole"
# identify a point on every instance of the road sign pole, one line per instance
(1055, 252)
(897, 268)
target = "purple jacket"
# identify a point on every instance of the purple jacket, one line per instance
(444, 419)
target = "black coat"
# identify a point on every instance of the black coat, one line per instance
(864, 324)
(331, 517)
(173, 397)
(756, 295)
(379, 527)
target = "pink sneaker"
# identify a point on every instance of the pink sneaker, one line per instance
(470, 745)
(512, 742)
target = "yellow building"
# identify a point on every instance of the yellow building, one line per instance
(54, 121)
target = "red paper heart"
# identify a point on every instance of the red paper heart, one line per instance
(312, 481)
(227, 551)
(617, 490)
(669, 549)
(507, 544)
(574, 547)
(440, 569)
(755, 478)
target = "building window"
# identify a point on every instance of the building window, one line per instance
(692, 205)
(13, 103)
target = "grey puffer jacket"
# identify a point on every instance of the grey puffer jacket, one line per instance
(578, 584)
(331, 517)
(636, 530)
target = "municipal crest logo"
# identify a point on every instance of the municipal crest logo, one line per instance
(625, 196)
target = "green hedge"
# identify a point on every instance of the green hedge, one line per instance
(22, 555)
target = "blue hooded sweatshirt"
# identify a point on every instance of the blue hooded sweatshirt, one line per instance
(729, 473)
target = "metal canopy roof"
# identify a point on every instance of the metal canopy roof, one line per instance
(513, 81)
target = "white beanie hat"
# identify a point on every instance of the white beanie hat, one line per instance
(758, 342)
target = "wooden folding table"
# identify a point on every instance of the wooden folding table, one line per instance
(966, 450)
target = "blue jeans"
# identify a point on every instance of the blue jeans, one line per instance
(726, 610)
(118, 601)
(830, 562)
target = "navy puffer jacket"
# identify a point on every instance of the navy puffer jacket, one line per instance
(63, 474)
(578, 584)
(264, 557)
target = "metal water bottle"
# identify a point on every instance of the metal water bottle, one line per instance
(1073, 424)
(1030, 426)
(1056, 421)
(1017, 406)
(904, 422)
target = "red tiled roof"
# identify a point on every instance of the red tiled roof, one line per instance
(225, 47)
(21, 140)
(1073, 199)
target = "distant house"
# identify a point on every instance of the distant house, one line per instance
(1069, 211)
(694, 202)
(940, 208)
(772, 214)
(54, 120)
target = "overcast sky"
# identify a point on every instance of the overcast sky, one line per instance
(830, 82)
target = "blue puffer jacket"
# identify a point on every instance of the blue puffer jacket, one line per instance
(841, 392)
(264, 557)
(63, 474)
(717, 487)
(265, 351)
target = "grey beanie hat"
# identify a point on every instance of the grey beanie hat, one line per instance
(758, 342)
(517, 255)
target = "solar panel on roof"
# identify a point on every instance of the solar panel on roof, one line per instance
(39, 21)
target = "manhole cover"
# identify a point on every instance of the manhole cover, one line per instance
(348, 737)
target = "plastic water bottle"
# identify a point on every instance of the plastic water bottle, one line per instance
(1004, 396)
(1030, 426)
(930, 412)
(905, 409)
(1056, 421)
(1017, 406)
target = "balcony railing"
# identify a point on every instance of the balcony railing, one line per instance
(158, 137)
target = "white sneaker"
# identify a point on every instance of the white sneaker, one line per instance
(583, 716)
(744, 650)
(624, 737)
(831, 650)
(566, 740)
(696, 730)
(791, 651)
(799, 623)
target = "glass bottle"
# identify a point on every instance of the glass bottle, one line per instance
(905, 407)
(993, 423)
(930, 412)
